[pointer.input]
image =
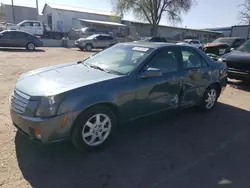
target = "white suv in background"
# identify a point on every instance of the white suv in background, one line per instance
(192, 42)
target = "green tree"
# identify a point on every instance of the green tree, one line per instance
(154, 10)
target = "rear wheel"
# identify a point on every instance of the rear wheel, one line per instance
(210, 98)
(94, 128)
(30, 46)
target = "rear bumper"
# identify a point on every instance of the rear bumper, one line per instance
(39, 44)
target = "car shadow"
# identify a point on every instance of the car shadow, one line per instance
(178, 149)
(242, 85)
(93, 51)
(20, 50)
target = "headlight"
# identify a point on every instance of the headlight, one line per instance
(48, 106)
(220, 60)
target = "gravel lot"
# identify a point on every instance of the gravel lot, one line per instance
(185, 149)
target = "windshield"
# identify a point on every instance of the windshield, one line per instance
(245, 47)
(91, 36)
(119, 59)
(228, 41)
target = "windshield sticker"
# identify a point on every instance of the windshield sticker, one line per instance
(141, 49)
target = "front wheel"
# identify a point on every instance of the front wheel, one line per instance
(94, 128)
(210, 98)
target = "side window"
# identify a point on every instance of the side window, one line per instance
(6, 35)
(109, 38)
(192, 59)
(195, 42)
(18, 35)
(166, 60)
(104, 37)
(26, 24)
(36, 24)
(156, 39)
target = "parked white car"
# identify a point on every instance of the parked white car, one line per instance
(31, 26)
(192, 42)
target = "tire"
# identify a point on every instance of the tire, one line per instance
(210, 98)
(30, 46)
(82, 49)
(88, 47)
(87, 135)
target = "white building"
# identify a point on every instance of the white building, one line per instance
(62, 17)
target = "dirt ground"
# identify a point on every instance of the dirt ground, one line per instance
(185, 149)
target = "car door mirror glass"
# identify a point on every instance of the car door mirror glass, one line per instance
(150, 73)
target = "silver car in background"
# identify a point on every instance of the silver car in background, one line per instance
(97, 41)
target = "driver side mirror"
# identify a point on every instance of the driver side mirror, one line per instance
(151, 73)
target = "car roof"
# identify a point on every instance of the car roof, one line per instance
(231, 38)
(150, 44)
(18, 31)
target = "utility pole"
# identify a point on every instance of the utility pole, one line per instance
(37, 9)
(13, 11)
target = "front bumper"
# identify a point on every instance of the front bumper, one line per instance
(78, 45)
(50, 129)
(238, 75)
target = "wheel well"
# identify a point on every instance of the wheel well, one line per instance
(217, 86)
(89, 44)
(111, 106)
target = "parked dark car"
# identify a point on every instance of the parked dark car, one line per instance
(86, 100)
(223, 45)
(238, 62)
(14, 38)
(97, 41)
(154, 39)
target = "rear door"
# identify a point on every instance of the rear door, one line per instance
(160, 93)
(196, 75)
(103, 41)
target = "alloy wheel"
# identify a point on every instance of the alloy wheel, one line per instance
(31, 46)
(211, 98)
(96, 130)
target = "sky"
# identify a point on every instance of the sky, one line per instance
(205, 14)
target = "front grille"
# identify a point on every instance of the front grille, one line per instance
(19, 101)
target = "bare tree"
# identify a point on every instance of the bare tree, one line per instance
(153, 10)
(244, 13)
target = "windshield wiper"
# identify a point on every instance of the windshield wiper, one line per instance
(99, 68)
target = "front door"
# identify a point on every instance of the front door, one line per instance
(160, 93)
(196, 75)
(18, 39)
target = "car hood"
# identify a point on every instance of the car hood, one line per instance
(57, 79)
(237, 56)
(216, 44)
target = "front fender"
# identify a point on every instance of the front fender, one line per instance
(73, 104)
